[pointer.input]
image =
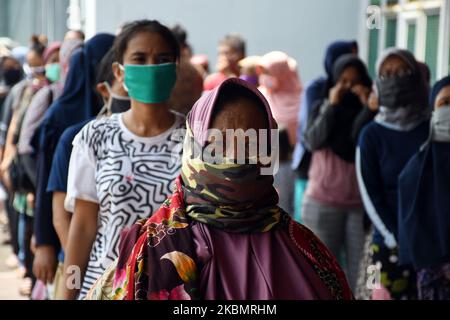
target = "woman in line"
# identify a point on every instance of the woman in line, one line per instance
(385, 146)
(424, 208)
(56, 72)
(37, 57)
(314, 92)
(123, 167)
(332, 206)
(115, 101)
(221, 235)
(77, 103)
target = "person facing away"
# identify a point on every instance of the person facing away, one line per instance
(221, 234)
(424, 208)
(129, 161)
(230, 51)
(332, 206)
(385, 146)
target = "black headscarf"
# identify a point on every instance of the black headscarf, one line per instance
(424, 202)
(333, 52)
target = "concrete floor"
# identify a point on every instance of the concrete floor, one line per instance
(9, 279)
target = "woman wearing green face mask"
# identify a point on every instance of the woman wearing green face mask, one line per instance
(52, 65)
(123, 167)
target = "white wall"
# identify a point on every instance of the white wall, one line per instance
(20, 19)
(302, 28)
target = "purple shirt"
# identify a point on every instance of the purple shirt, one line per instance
(257, 266)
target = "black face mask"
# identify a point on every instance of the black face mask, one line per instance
(350, 102)
(12, 76)
(341, 141)
(119, 105)
(403, 91)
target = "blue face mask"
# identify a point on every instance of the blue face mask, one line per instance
(150, 83)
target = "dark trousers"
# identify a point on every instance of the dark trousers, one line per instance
(13, 223)
(29, 164)
(27, 229)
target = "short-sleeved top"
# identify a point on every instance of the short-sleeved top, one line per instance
(57, 180)
(127, 175)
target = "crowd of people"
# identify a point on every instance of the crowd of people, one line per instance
(106, 197)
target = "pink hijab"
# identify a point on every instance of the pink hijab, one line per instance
(282, 88)
(52, 48)
(200, 117)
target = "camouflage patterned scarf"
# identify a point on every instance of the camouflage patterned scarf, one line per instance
(231, 197)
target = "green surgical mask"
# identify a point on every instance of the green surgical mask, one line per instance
(150, 83)
(53, 71)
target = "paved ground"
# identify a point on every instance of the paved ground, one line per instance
(9, 280)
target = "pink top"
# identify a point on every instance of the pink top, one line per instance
(332, 181)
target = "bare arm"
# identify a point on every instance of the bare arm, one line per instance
(61, 218)
(9, 150)
(82, 232)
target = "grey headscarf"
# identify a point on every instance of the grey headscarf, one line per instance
(409, 116)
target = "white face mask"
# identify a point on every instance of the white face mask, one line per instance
(27, 70)
(440, 123)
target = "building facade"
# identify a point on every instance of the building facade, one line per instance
(423, 27)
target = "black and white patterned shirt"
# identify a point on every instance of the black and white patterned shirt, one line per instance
(127, 175)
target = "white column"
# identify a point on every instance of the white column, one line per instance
(74, 11)
(444, 40)
(363, 34)
(421, 35)
(90, 17)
